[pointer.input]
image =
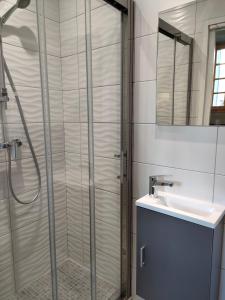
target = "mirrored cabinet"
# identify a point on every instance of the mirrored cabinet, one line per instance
(191, 66)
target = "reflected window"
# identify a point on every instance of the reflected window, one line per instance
(219, 78)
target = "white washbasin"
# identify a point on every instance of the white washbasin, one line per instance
(188, 209)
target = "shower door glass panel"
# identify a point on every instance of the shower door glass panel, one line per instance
(25, 270)
(106, 104)
(106, 127)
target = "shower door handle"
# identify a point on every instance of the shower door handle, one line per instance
(142, 256)
(123, 165)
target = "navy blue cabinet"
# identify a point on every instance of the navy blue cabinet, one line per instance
(176, 259)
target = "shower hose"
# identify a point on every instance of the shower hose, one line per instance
(29, 143)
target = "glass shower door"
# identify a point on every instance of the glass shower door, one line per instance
(103, 59)
(65, 63)
(24, 227)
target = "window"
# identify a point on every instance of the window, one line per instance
(219, 79)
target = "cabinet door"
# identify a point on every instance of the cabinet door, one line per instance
(176, 258)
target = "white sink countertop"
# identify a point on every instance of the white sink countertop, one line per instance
(203, 213)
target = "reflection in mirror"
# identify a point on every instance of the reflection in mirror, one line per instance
(174, 71)
(191, 65)
(217, 93)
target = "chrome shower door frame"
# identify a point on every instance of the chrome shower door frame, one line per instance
(127, 40)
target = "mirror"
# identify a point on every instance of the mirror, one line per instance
(191, 65)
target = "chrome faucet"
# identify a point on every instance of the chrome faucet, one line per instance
(153, 182)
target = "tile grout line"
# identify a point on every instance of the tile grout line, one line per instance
(215, 162)
(80, 155)
(171, 167)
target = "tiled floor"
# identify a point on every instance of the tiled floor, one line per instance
(73, 284)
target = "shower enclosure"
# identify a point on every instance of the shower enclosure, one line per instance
(65, 149)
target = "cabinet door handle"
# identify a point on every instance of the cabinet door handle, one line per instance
(142, 256)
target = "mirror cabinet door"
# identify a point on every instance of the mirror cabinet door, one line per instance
(191, 67)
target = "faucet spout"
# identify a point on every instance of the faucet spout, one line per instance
(153, 182)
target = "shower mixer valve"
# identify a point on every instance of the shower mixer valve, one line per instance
(4, 95)
(14, 146)
(15, 149)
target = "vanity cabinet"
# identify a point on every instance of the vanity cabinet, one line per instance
(177, 259)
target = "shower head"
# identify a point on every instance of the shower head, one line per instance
(23, 3)
(19, 4)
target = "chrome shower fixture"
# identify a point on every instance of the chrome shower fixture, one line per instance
(19, 4)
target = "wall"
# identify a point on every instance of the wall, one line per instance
(193, 157)
(24, 239)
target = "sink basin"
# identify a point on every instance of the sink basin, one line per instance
(192, 210)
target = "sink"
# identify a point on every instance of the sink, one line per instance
(189, 209)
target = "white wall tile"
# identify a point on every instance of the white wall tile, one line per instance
(106, 26)
(80, 7)
(97, 3)
(4, 218)
(54, 72)
(144, 102)
(83, 105)
(73, 170)
(23, 65)
(82, 70)
(187, 183)
(188, 148)
(106, 65)
(52, 9)
(219, 189)
(57, 138)
(30, 99)
(67, 9)
(6, 268)
(183, 18)
(146, 14)
(24, 176)
(70, 72)
(94, 4)
(216, 9)
(68, 30)
(56, 106)
(107, 207)
(106, 139)
(23, 215)
(3, 181)
(106, 104)
(81, 33)
(106, 173)
(52, 37)
(72, 137)
(71, 106)
(75, 236)
(59, 169)
(146, 17)
(220, 162)
(145, 58)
